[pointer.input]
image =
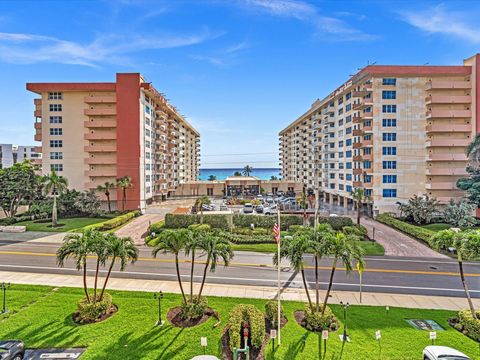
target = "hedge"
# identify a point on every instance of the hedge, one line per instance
(183, 221)
(249, 239)
(409, 229)
(255, 320)
(249, 231)
(242, 220)
(336, 222)
(115, 222)
(157, 227)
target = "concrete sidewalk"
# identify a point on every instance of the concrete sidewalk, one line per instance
(241, 291)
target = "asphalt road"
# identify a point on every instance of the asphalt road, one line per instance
(382, 274)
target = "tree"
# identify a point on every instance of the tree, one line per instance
(124, 183)
(199, 203)
(459, 214)
(237, 173)
(212, 178)
(191, 245)
(473, 151)
(105, 188)
(358, 196)
(273, 178)
(87, 203)
(247, 170)
(419, 209)
(54, 185)
(467, 246)
(18, 183)
(173, 241)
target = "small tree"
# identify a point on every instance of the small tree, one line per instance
(273, 178)
(105, 188)
(212, 178)
(88, 203)
(237, 173)
(124, 183)
(358, 196)
(247, 170)
(419, 209)
(54, 185)
(460, 213)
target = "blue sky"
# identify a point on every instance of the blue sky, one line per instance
(239, 70)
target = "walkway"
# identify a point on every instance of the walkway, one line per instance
(242, 291)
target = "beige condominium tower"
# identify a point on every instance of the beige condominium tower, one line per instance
(394, 131)
(93, 133)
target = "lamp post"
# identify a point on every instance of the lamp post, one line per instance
(4, 286)
(345, 307)
(159, 296)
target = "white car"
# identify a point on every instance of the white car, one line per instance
(443, 353)
(248, 208)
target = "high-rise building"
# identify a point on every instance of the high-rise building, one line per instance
(394, 131)
(93, 133)
(11, 154)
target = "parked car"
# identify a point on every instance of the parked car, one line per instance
(259, 209)
(248, 208)
(223, 207)
(269, 200)
(443, 353)
(269, 211)
(12, 350)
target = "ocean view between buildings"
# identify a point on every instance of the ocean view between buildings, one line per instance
(222, 174)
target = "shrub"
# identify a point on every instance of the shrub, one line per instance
(217, 221)
(359, 230)
(200, 227)
(89, 312)
(157, 227)
(314, 321)
(296, 228)
(183, 221)
(336, 222)
(115, 222)
(255, 320)
(271, 312)
(409, 229)
(248, 231)
(242, 220)
(193, 309)
(468, 325)
(7, 221)
(249, 239)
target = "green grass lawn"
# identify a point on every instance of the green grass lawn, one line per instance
(131, 334)
(437, 226)
(68, 224)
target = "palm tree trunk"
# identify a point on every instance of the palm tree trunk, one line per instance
(54, 211)
(180, 279)
(191, 276)
(96, 281)
(330, 283)
(306, 289)
(85, 289)
(201, 213)
(317, 295)
(204, 277)
(465, 287)
(107, 278)
(124, 200)
(107, 194)
(358, 212)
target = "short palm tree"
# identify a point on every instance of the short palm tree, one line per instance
(237, 173)
(54, 184)
(199, 203)
(173, 241)
(273, 178)
(191, 246)
(247, 170)
(105, 188)
(320, 238)
(358, 196)
(212, 178)
(124, 183)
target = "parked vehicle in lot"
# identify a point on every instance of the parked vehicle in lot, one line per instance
(248, 208)
(269, 200)
(259, 209)
(443, 353)
(12, 350)
(269, 211)
(223, 207)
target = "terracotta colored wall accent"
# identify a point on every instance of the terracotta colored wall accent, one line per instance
(128, 136)
(43, 87)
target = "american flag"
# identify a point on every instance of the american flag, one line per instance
(276, 232)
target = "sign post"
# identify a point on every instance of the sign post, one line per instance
(276, 232)
(273, 335)
(203, 342)
(325, 338)
(378, 336)
(433, 336)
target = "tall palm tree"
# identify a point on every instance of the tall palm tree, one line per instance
(473, 150)
(358, 196)
(124, 183)
(173, 241)
(203, 200)
(99, 248)
(322, 235)
(247, 170)
(105, 188)
(191, 246)
(341, 247)
(123, 249)
(54, 184)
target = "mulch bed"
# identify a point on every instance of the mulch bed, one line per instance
(300, 319)
(175, 319)
(77, 320)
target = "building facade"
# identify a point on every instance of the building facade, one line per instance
(93, 133)
(394, 131)
(11, 154)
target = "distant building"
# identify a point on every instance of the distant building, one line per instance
(11, 154)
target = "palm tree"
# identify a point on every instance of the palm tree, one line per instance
(322, 235)
(54, 184)
(173, 241)
(473, 150)
(191, 246)
(247, 170)
(105, 188)
(358, 196)
(125, 183)
(237, 173)
(123, 249)
(212, 178)
(203, 200)
(273, 178)
(341, 247)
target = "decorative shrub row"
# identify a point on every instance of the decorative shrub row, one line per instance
(249, 231)
(241, 220)
(336, 222)
(249, 239)
(255, 319)
(115, 222)
(271, 312)
(409, 229)
(468, 325)
(157, 227)
(183, 221)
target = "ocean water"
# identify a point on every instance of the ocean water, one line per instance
(222, 174)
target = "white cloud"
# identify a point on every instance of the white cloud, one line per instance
(440, 20)
(225, 56)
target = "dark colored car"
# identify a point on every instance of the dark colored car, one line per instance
(12, 350)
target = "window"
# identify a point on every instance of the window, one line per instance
(389, 164)
(389, 136)
(348, 96)
(367, 178)
(367, 151)
(147, 178)
(389, 108)
(340, 187)
(389, 94)
(348, 130)
(332, 186)
(340, 122)
(56, 120)
(332, 156)
(389, 179)
(340, 176)
(56, 131)
(348, 177)
(55, 107)
(389, 81)
(56, 143)
(340, 154)
(368, 192)
(389, 193)
(348, 153)
(147, 109)
(56, 155)
(348, 107)
(349, 188)
(348, 142)
(147, 144)
(389, 150)
(332, 175)
(340, 144)
(331, 145)
(348, 165)
(389, 122)
(56, 167)
(55, 96)
(348, 118)
(367, 164)
(367, 123)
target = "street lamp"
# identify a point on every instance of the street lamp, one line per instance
(345, 307)
(159, 296)
(4, 286)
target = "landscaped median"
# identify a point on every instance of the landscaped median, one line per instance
(414, 231)
(42, 317)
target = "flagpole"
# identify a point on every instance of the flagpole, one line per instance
(278, 276)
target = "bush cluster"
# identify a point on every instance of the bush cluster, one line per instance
(183, 221)
(314, 321)
(242, 220)
(249, 231)
(193, 309)
(409, 229)
(468, 325)
(336, 222)
(255, 320)
(271, 312)
(249, 239)
(115, 222)
(200, 227)
(157, 227)
(89, 312)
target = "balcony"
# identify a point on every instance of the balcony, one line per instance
(448, 113)
(450, 142)
(37, 125)
(446, 171)
(367, 129)
(100, 124)
(357, 158)
(104, 160)
(357, 119)
(448, 84)
(357, 145)
(447, 157)
(357, 184)
(357, 171)
(101, 173)
(37, 137)
(100, 112)
(441, 186)
(448, 99)
(37, 149)
(100, 99)
(367, 143)
(37, 102)
(37, 113)
(100, 136)
(361, 93)
(446, 128)
(357, 132)
(100, 148)
(368, 157)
